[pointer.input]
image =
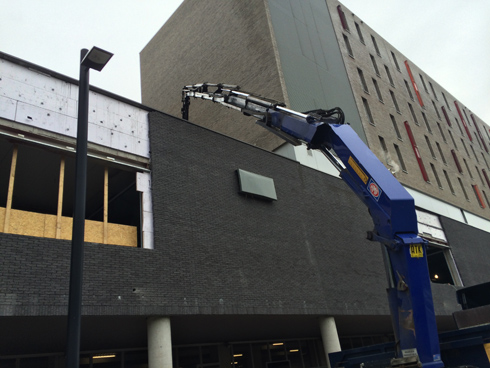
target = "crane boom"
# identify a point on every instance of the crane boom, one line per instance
(391, 207)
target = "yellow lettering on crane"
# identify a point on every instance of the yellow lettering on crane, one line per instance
(416, 251)
(358, 170)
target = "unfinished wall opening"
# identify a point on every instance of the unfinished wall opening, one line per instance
(442, 268)
(37, 191)
(439, 270)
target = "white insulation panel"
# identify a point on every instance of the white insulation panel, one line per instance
(35, 99)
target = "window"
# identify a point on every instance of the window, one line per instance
(383, 144)
(436, 176)
(430, 147)
(343, 20)
(433, 91)
(484, 173)
(400, 158)
(395, 61)
(468, 120)
(486, 198)
(484, 159)
(464, 190)
(456, 161)
(389, 76)
(442, 133)
(387, 157)
(378, 92)
(452, 138)
(478, 141)
(441, 153)
(463, 121)
(375, 65)
(359, 33)
(395, 126)
(416, 152)
(445, 100)
(416, 89)
(467, 168)
(395, 103)
(375, 45)
(448, 121)
(368, 111)
(449, 182)
(437, 111)
(474, 154)
(410, 107)
(466, 149)
(408, 90)
(426, 123)
(486, 130)
(423, 83)
(486, 177)
(363, 81)
(459, 126)
(347, 44)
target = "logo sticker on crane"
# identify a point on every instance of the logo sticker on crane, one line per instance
(374, 189)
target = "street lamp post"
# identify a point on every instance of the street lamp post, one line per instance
(95, 59)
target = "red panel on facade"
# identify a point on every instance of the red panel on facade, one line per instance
(343, 20)
(486, 177)
(464, 122)
(414, 84)
(446, 115)
(416, 151)
(456, 161)
(478, 195)
(479, 133)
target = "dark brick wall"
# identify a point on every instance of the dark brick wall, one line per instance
(471, 251)
(304, 253)
(216, 251)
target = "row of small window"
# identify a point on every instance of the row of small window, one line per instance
(398, 134)
(482, 144)
(376, 70)
(346, 28)
(394, 166)
(433, 154)
(415, 119)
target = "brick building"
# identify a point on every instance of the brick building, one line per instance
(318, 54)
(229, 277)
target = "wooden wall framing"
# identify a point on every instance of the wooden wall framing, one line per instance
(60, 227)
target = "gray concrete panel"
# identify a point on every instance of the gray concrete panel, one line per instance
(312, 64)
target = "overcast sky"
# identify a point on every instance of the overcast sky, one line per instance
(448, 39)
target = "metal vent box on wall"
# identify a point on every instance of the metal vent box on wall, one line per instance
(257, 185)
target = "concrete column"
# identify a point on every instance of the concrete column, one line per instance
(331, 342)
(159, 342)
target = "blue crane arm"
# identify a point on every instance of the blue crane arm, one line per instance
(391, 207)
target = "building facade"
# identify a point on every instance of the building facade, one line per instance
(318, 54)
(177, 253)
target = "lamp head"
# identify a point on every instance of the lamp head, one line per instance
(96, 58)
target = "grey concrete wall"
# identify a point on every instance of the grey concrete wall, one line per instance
(218, 42)
(311, 62)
